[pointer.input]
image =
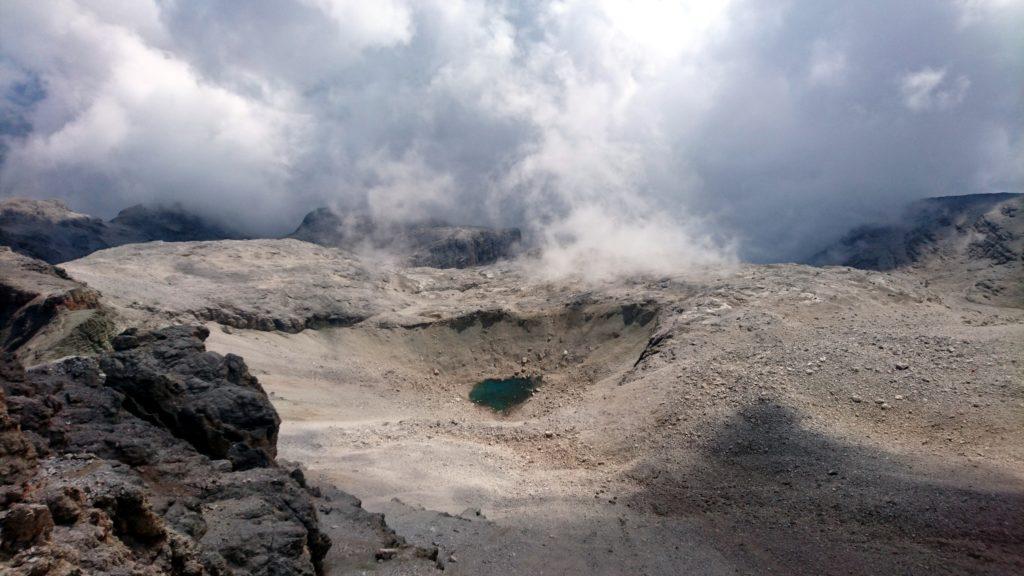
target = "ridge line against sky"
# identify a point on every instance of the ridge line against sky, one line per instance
(677, 132)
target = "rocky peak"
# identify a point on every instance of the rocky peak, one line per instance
(50, 231)
(929, 227)
(973, 245)
(170, 223)
(426, 243)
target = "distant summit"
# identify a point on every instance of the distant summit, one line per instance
(975, 241)
(170, 224)
(928, 227)
(50, 231)
(426, 243)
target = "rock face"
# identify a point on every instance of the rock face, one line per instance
(17, 456)
(44, 314)
(429, 244)
(154, 456)
(460, 246)
(170, 224)
(207, 399)
(969, 244)
(125, 473)
(929, 227)
(50, 231)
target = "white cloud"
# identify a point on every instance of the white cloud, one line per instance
(379, 23)
(977, 11)
(928, 89)
(827, 67)
(141, 122)
(773, 122)
(407, 188)
(596, 244)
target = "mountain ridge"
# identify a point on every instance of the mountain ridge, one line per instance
(52, 232)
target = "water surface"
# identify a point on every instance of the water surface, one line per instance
(501, 395)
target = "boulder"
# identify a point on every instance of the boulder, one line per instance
(210, 401)
(25, 525)
(108, 468)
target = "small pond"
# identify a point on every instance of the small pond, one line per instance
(501, 395)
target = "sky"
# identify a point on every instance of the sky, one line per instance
(636, 132)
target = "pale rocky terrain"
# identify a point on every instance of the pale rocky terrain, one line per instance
(751, 420)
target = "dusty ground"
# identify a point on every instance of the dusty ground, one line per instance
(778, 419)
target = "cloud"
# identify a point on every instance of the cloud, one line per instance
(123, 122)
(827, 67)
(978, 11)
(690, 127)
(595, 244)
(369, 24)
(405, 189)
(928, 89)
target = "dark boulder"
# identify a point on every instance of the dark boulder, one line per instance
(111, 488)
(211, 401)
(25, 525)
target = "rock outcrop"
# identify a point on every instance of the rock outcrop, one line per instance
(152, 455)
(430, 244)
(166, 466)
(170, 223)
(927, 228)
(168, 378)
(52, 232)
(460, 246)
(297, 285)
(971, 244)
(17, 455)
(44, 314)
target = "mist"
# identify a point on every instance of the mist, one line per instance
(638, 135)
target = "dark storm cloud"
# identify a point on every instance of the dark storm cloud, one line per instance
(645, 132)
(843, 111)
